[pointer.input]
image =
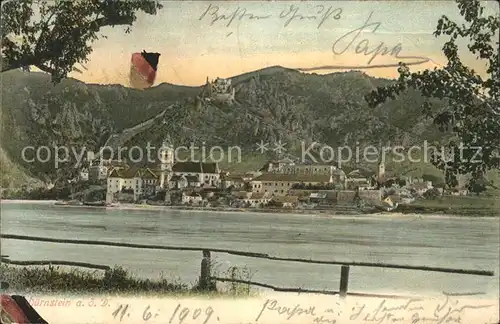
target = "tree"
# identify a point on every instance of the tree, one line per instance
(432, 193)
(55, 37)
(470, 104)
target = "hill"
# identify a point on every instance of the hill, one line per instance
(272, 104)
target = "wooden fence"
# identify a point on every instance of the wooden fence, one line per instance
(207, 281)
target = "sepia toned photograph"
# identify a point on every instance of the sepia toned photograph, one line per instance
(202, 162)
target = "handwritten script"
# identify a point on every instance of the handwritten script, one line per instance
(320, 15)
(415, 311)
(292, 13)
(178, 315)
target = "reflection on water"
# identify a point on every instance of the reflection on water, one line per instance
(457, 242)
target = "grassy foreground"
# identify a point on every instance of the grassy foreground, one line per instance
(456, 205)
(117, 281)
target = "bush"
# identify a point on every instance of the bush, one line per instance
(235, 273)
(432, 193)
(55, 280)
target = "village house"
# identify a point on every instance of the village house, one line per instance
(182, 182)
(393, 199)
(277, 165)
(192, 198)
(194, 174)
(235, 181)
(83, 174)
(359, 179)
(251, 175)
(287, 166)
(318, 198)
(286, 201)
(143, 181)
(100, 169)
(254, 199)
(421, 187)
(358, 183)
(459, 192)
(280, 184)
(313, 169)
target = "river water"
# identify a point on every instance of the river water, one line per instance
(438, 241)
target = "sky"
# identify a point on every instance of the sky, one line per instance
(195, 45)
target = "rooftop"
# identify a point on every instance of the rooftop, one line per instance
(293, 178)
(133, 172)
(195, 167)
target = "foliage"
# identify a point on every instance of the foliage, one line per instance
(323, 186)
(432, 193)
(436, 180)
(234, 273)
(56, 280)
(477, 186)
(471, 109)
(56, 35)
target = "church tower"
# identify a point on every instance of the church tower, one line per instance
(381, 168)
(166, 161)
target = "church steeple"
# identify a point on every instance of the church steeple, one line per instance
(166, 160)
(381, 163)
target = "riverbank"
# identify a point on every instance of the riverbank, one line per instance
(294, 211)
(449, 207)
(27, 201)
(117, 281)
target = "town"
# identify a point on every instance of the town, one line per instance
(279, 184)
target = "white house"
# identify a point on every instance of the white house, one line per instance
(255, 199)
(183, 181)
(278, 166)
(191, 198)
(141, 181)
(233, 180)
(280, 184)
(100, 169)
(84, 174)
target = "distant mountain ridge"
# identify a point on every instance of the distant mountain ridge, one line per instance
(273, 104)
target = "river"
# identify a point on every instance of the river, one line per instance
(438, 241)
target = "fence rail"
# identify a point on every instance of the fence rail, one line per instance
(206, 276)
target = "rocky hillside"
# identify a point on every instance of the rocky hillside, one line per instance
(272, 104)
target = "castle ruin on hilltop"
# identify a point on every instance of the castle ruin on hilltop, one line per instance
(219, 90)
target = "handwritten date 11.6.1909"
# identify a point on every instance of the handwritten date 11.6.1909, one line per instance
(178, 316)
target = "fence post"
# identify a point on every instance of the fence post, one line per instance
(344, 281)
(206, 283)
